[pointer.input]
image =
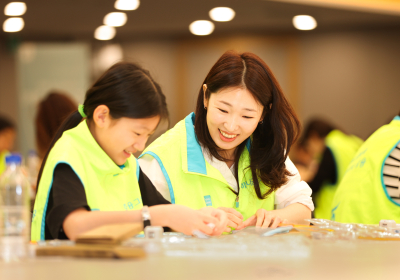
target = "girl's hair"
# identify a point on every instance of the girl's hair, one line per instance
(52, 111)
(272, 139)
(127, 90)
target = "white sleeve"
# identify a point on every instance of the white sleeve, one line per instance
(294, 191)
(149, 165)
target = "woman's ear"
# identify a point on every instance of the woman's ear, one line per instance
(205, 100)
(101, 116)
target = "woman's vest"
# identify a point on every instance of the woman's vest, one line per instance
(343, 148)
(362, 196)
(193, 182)
(108, 187)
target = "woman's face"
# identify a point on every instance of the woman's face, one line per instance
(232, 116)
(122, 137)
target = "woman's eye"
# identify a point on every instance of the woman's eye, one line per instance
(247, 117)
(223, 111)
(138, 134)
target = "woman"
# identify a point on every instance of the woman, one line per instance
(233, 152)
(89, 176)
(332, 151)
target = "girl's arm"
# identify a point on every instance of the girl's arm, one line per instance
(177, 217)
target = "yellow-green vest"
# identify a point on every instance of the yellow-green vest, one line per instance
(193, 182)
(362, 196)
(343, 148)
(108, 187)
(3, 161)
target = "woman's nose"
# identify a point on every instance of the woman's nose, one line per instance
(231, 124)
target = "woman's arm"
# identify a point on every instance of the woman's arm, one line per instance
(177, 217)
(293, 214)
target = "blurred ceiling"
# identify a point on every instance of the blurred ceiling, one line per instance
(77, 19)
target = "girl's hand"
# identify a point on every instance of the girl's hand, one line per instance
(222, 217)
(235, 219)
(186, 220)
(264, 219)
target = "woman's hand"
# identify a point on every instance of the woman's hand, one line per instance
(222, 217)
(235, 218)
(186, 220)
(263, 219)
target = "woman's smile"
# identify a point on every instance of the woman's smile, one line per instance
(227, 137)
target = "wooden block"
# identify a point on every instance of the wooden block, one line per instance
(91, 251)
(110, 234)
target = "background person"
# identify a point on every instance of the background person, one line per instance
(233, 152)
(370, 189)
(89, 177)
(7, 139)
(52, 111)
(332, 151)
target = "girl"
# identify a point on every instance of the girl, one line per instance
(89, 177)
(233, 152)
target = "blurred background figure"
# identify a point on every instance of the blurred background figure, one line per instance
(369, 192)
(52, 111)
(7, 138)
(322, 157)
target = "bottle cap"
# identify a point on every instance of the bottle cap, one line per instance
(13, 159)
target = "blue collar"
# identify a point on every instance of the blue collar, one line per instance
(195, 158)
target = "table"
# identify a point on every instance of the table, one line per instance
(313, 259)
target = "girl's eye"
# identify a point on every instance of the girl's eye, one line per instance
(247, 117)
(138, 134)
(223, 111)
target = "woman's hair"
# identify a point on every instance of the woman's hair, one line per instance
(52, 111)
(127, 90)
(272, 139)
(318, 127)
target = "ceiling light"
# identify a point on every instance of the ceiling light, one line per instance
(115, 19)
(201, 27)
(104, 32)
(127, 5)
(14, 24)
(222, 14)
(304, 22)
(15, 9)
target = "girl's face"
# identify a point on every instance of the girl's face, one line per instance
(232, 116)
(122, 137)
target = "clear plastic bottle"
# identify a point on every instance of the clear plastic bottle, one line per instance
(14, 211)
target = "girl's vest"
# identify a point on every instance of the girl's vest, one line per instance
(343, 148)
(108, 187)
(193, 182)
(362, 196)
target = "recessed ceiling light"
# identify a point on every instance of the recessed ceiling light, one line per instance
(127, 5)
(13, 24)
(104, 32)
(201, 27)
(304, 22)
(15, 9)
(115, 19)
(222, 14)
